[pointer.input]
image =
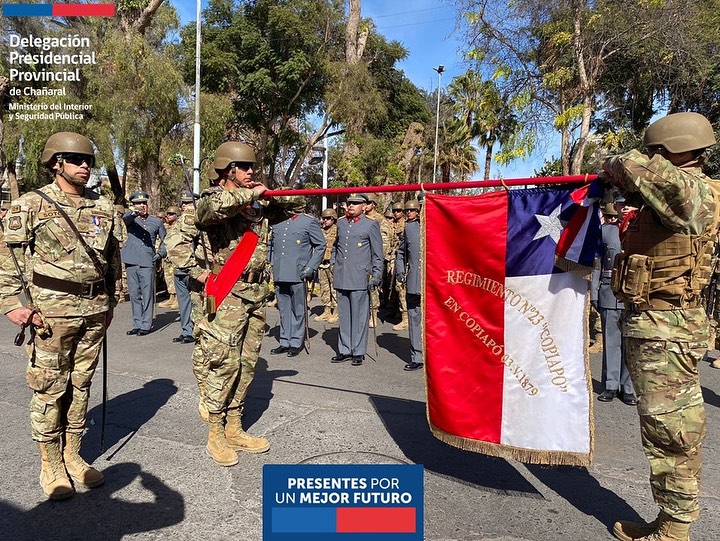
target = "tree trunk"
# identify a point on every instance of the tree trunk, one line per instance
(488, 160)
(587, 98)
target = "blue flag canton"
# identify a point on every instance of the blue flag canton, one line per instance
(533, 230)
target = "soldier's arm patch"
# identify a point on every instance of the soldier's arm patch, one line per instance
(14, 209)
(14, 223)
(189, 220)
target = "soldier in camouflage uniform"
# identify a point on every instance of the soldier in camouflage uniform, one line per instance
(398, 224)
(328, 224)
(665, 264)
(72, 284)
(230, 338)
(386, 233)
(171, 223)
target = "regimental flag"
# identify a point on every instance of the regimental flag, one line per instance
(505, 333)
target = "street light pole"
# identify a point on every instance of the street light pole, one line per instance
(439, 70)
(325, 172)
(196, 126)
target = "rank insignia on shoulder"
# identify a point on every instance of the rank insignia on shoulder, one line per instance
(14, 209)
(14, 223)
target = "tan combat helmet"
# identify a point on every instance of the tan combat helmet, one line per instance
(67, 142)
(230, 152)
(329, 213)
(413, 204)
(398, 206)
(609, 209)
(680, 132)
(173, 210)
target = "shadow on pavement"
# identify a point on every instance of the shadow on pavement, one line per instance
(97, 514)
(260, 392)
(406, 422)
(125, 415)
(395, 344)
(711, 397)
(584, 492)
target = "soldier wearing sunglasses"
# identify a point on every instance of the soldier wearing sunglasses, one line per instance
(66, 232)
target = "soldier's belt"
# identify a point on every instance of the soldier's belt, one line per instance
(91, 289)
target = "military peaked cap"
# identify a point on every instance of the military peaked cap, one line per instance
(139, 197)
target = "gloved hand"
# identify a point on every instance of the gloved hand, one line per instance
(373, 282)
(594, 304)
(400, 278)
(306, 273)
(156, 258)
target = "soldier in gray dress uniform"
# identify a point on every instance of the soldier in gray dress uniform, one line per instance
(615, 375)
(358, 258)
(139, 257)
(298, 246)
(407, 271)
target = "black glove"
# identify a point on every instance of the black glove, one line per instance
(306, 273)
(594, 304)
(400, 278)
(156, 258)
(374, 282)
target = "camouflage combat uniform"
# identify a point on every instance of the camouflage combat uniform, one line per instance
(186, 253)
(230, 338)
(665, 264)
(386, 233)
(167, 266)
(63, 361)
(325, 271)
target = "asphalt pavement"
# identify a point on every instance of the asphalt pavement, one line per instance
(160, 484)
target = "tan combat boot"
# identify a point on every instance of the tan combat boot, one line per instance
(217, 446)
(240, 440)
(403, 323)
(80, 471)
(53, 477)
(325, 315)
(333, 318)
(170, 303)
(666, 529)
(627, 531)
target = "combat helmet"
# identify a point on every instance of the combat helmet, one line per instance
(680, 132)
(329, 213)
(398, 206)
(609, 209)
(388, 213)
(67, 141)
(232, 151)
(172, 210)
(412, 204)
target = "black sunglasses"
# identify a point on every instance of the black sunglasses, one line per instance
(170, 214)
(78, 159)
(659, 149)
(243, 166)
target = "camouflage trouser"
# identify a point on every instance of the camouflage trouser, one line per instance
(230, 342)
(402, 298)
(327, 293)
(60, 372)
(672, 419)
(168, 273)
(199, 361)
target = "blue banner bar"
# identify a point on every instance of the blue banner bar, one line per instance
(27, 10)
(303, 520)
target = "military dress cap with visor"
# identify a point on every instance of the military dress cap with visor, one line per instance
(329, 213)
(70, 146)
(139, 197)
(186, 196)
(357, 198)
(680, 132)
(609, 209)
(233, 153)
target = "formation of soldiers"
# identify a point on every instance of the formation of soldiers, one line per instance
(60, 279)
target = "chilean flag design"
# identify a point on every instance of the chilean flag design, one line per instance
(504, 328)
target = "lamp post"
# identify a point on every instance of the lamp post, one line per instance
(196, 124)
(439, 70)
(325, 163)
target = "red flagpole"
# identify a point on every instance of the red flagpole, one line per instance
(530, 181)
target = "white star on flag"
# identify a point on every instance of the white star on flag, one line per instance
(549, 225)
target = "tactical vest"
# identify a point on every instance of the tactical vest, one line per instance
(662, 270)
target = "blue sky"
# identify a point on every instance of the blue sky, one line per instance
(428, 30)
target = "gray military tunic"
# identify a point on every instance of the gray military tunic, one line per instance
(358, 256)
(407, 269)
(615, 374)
(138, 255)
(297, 243)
